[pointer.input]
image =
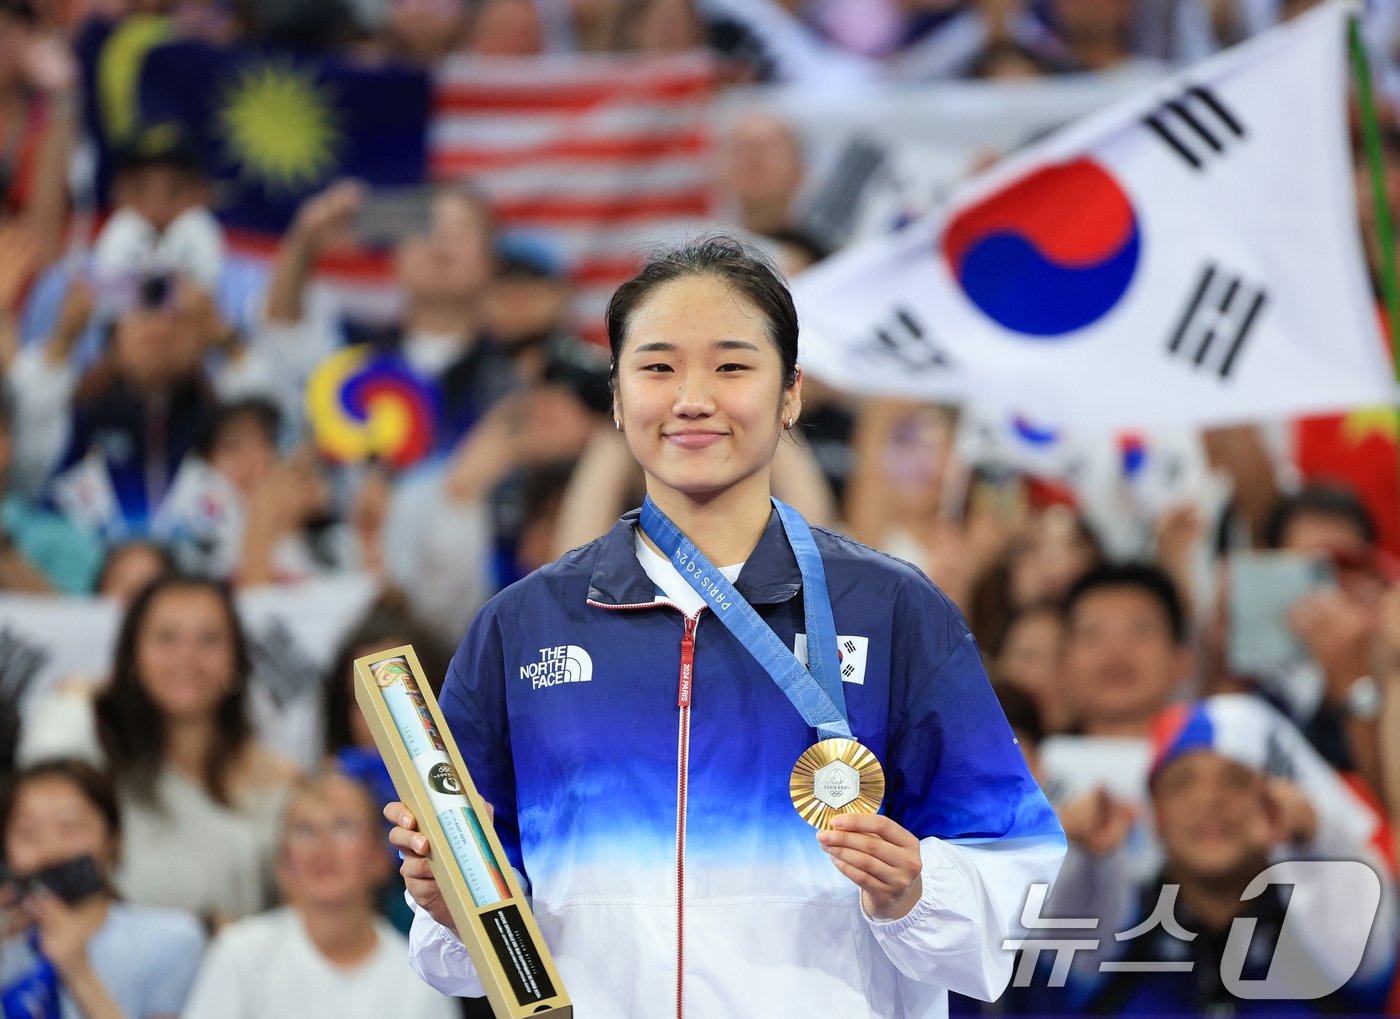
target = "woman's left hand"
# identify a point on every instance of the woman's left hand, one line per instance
(63, 932)
(881, 858)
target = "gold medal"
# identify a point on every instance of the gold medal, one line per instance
(836, 776)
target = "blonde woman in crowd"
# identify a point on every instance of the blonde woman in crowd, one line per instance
(325, 953)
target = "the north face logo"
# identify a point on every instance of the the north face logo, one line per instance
(567, 663)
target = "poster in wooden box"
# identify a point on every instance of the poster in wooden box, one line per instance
(481, 890)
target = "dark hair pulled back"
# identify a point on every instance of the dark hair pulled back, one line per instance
(745, 270)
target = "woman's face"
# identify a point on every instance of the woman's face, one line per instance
(916, 457)
(700, 393)
(453, 260)
(53, 822)
(155, 347)
(1030, 659)
(332, 853)
(185, 653)
(244, 454)
(1053, 555)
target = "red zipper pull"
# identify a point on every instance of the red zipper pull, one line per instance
(687, 661)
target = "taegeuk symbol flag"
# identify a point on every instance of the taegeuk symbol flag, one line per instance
(1189, 256)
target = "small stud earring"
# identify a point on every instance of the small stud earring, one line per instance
(617, 424)
(787, 424)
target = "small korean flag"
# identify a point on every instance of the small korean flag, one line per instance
(853, 652)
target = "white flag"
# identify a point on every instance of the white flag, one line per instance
(84, 494)
(1190, 256)
(202, 518)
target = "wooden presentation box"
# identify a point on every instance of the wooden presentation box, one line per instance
(478, 884)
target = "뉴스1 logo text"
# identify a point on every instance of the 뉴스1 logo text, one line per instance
(566, 663)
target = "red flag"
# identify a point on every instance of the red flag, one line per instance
(1358, 450)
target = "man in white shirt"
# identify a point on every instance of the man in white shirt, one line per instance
(326, 953)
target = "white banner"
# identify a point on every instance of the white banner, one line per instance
(292, 631)
(1188, 257)
(1123, 481)
(879, 154)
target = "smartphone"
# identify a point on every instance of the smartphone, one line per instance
(388, 215)
(71, 880)
(1263, 586)
(155, 291)
(121, 293)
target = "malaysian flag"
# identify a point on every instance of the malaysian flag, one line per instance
(611, 156)
(608, 155)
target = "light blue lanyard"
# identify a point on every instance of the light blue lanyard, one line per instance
(815, 691)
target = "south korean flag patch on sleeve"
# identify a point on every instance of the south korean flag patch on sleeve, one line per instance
(853, 652)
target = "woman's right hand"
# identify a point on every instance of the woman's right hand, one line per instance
(327, 218)
(64, 932)
(417, 874)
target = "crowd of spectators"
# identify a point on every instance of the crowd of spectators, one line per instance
(163, 856)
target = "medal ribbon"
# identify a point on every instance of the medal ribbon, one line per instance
(815, 691)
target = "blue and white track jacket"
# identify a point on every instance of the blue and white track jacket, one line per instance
(638, 760)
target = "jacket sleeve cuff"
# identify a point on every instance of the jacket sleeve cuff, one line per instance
(954, 935)
(439, 957)
(888, 930)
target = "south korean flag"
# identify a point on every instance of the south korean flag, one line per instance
(1190, 256)
(851, 652)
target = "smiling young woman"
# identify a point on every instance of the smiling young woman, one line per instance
(200, 794)
(703, 390)
(634, 711)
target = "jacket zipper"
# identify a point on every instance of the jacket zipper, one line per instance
(685, 685)
(684, 689)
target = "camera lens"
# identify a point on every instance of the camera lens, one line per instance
(155, 291)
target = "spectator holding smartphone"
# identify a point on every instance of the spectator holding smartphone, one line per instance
(1325, 678)
(443, 336)
(135, 414)
(70, 943)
